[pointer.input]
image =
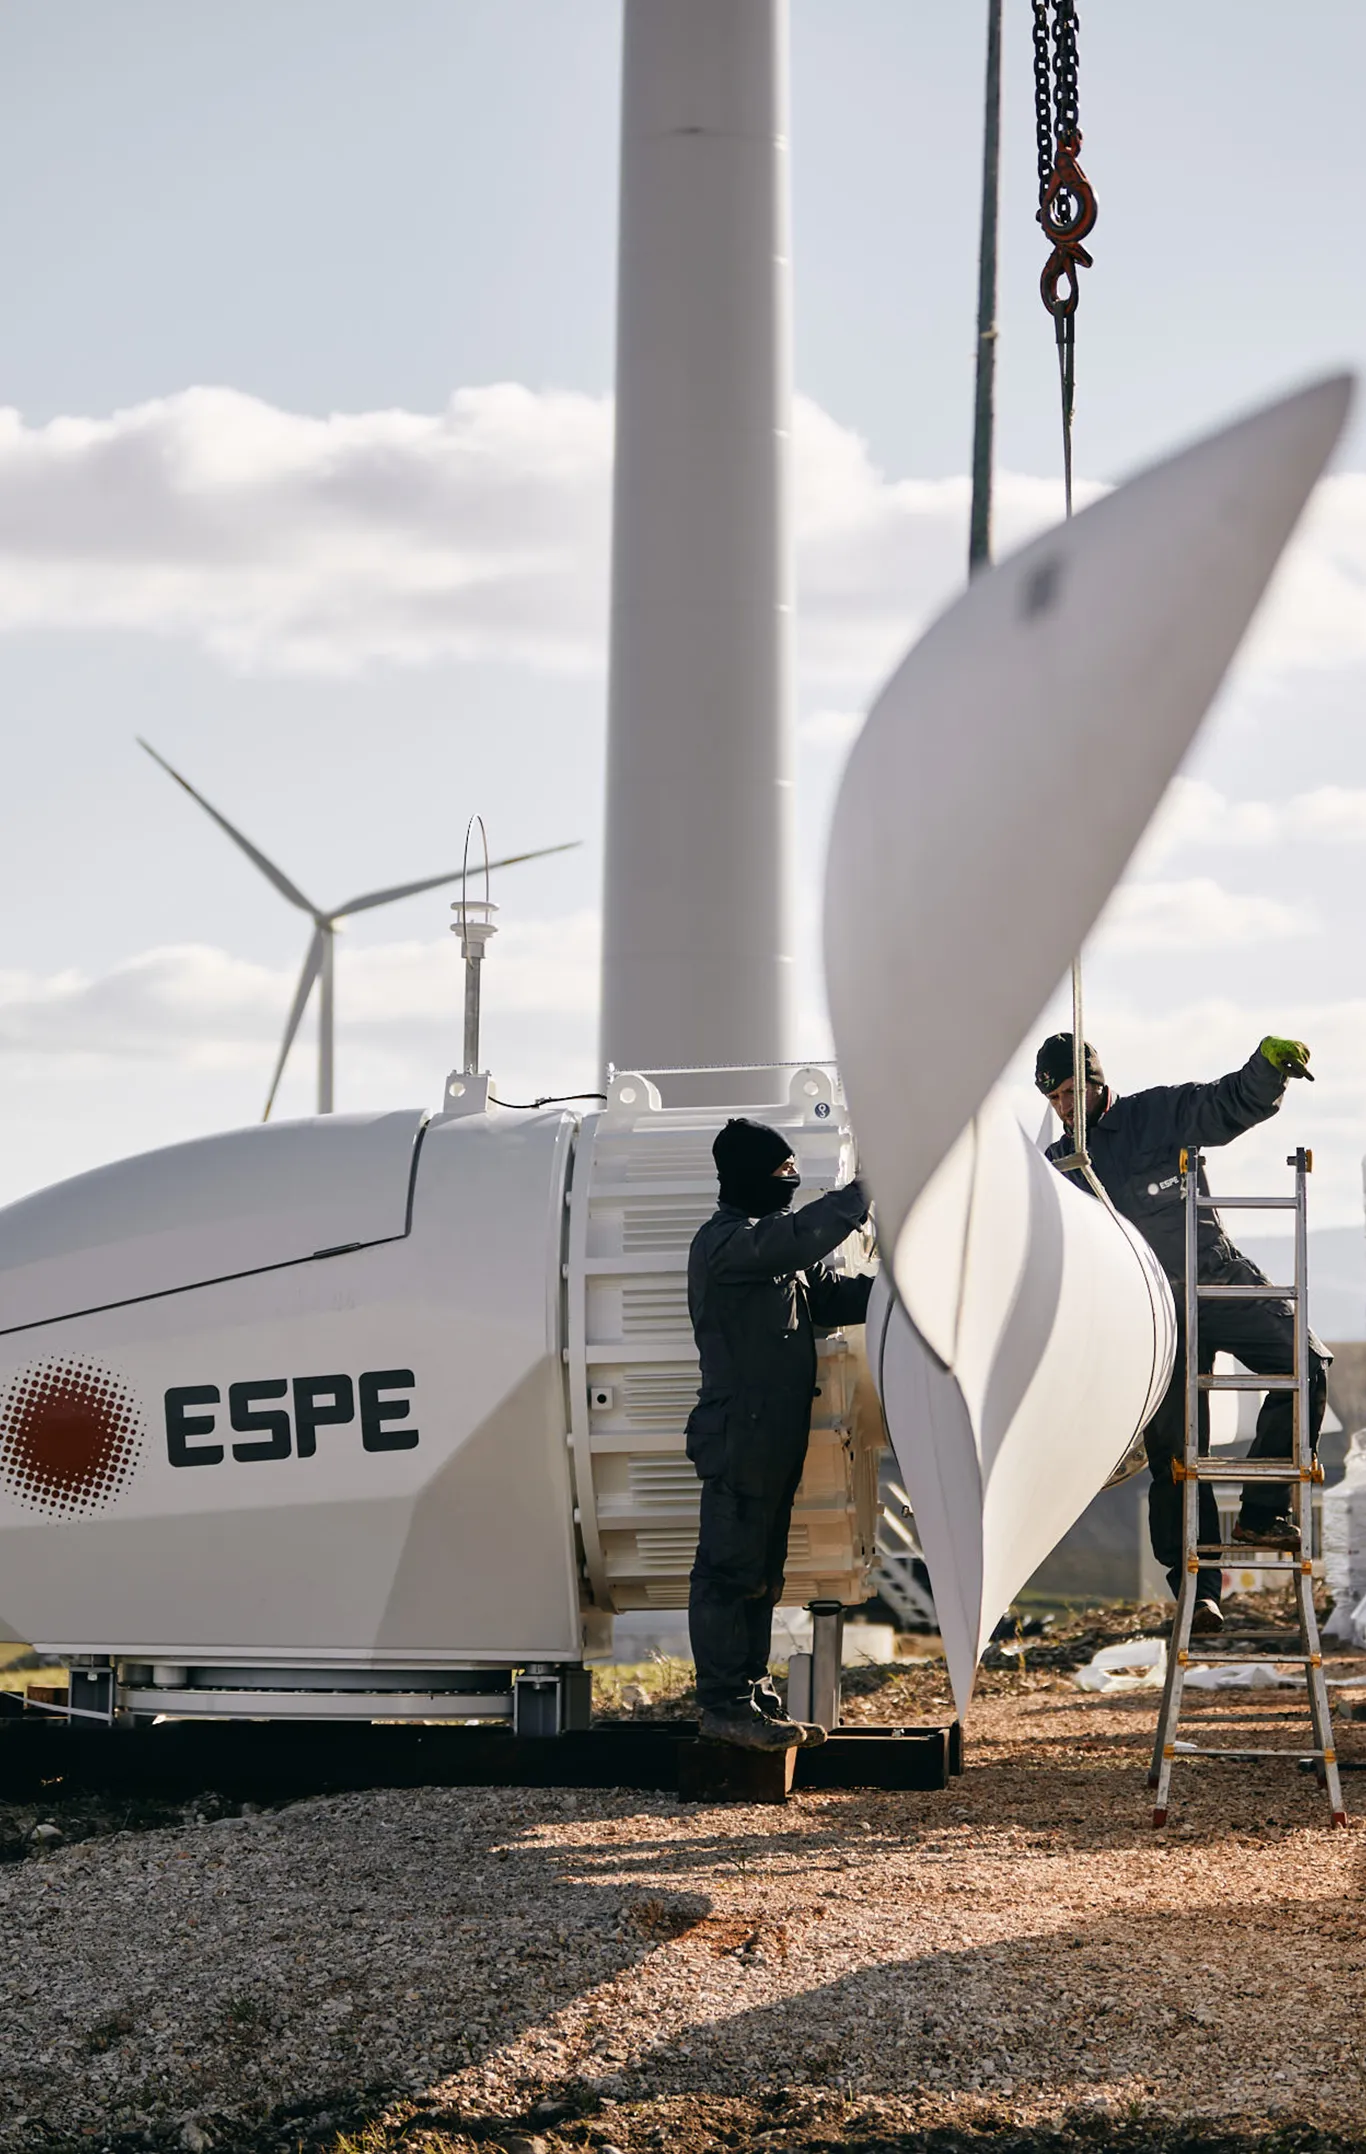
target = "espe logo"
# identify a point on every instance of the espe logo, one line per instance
(318, 1402)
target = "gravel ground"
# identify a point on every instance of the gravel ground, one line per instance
(1015, 1957)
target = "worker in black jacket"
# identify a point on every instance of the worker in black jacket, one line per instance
(1135, 1143)
(757, 1292)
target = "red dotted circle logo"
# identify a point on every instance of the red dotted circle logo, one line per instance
(71, 1436)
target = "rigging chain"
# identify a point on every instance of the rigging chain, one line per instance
(1067, 202)
(1067, 212)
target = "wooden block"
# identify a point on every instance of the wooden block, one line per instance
(724, 1772)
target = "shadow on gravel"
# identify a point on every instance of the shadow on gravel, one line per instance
(511, 1932)
(488, 1935)
(1181, 2012)
(796, 2123)
(429, 1960)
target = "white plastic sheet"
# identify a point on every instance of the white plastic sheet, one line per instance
(1133, 1664)
(1002, 780)
(1344, 1547)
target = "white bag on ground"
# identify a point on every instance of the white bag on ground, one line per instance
(1344, 1544)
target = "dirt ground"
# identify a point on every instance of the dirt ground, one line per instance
(1018, 1961)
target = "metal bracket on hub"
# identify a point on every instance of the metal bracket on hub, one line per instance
(549, 1698)
(92, 1695)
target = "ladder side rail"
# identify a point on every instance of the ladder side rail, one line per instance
(1320, 1709)
(1303, 1492)
(1304, 1434)
(1316, 1682)
(1164, 1747)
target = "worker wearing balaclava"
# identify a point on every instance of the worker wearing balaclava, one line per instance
(757, 1292)
(1135, 1140)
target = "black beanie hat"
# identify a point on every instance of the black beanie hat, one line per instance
(1053, 1063)
(748, 1155)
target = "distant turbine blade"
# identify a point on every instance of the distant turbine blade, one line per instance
(313, 964)
(268, 868)
(435, 882)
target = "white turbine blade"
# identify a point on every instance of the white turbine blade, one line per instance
(1003, 779)
(313, 961)
(274, 875)
(1033, 1337)
(436, 882)
(1012, 763)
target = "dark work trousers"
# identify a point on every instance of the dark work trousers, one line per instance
(1261, 1334)
(737, 1577)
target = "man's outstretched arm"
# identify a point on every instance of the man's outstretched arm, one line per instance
(1217, 1113)
(788, 1241)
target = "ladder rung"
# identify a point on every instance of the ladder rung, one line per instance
(1240, 1551)
(1198, 1750)
(1232, 1475)
(1247, 1293)
(1246, 1469)
(1249, 1383)
(1279, 1559)
(1248, 1660)
(1246, 1204)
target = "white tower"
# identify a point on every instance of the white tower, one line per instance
(697, 956)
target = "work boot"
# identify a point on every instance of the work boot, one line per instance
(1278, 1533)
(744, 1724)
(1207, 1620)
(768, 1702)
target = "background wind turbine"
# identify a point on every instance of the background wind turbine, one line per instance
(318, 958)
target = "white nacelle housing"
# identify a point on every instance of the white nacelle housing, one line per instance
(380, 1391)
(293, 1391)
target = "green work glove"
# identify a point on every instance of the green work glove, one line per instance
(1292, 1056)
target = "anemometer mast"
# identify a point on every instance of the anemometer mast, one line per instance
(697, 956)
(474, 924)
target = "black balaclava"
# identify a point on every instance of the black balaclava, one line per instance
(1053, 1063)
(746, 1154)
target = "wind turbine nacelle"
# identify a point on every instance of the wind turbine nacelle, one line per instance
(382, 1391)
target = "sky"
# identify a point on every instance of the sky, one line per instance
(304, 474)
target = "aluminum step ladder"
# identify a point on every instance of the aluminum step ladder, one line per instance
(1301, 1470)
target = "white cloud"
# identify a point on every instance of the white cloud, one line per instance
(1196, 813)
(180, 1041)
(196, 1005)
(182, 1000)
(1315, 614)
(1198, 914)
(878, 558)
(316, 544)
(279, 540)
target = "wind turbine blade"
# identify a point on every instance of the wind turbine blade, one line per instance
(1025, 1331)
(435, 882)
(1014, 760)
(313, 962)
(274, 875)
